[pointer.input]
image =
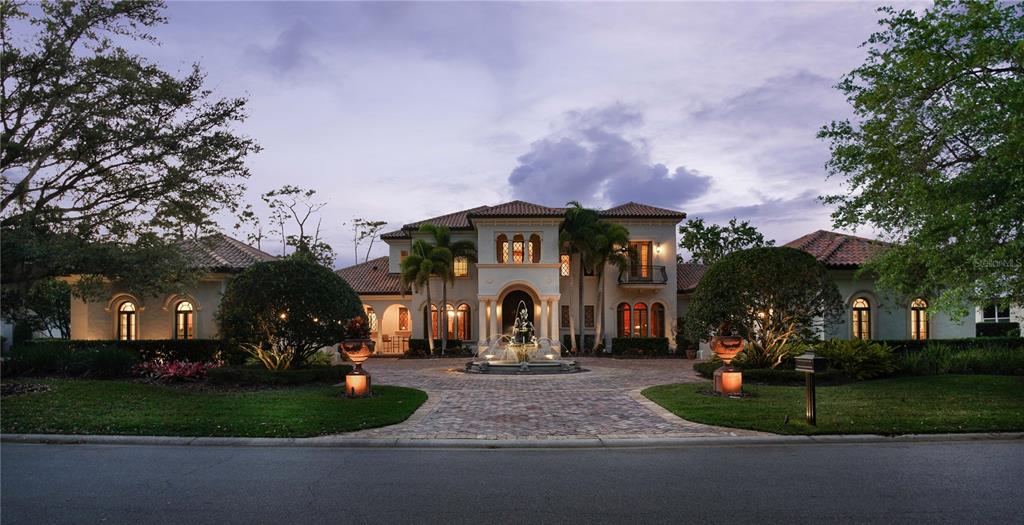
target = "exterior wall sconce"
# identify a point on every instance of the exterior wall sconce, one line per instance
(657, 247)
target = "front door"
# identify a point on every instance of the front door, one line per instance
(510, 308)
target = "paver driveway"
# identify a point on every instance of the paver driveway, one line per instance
(604, 401)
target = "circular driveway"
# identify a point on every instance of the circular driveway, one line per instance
(603, 402)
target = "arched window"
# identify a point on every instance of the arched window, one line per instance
(184, 321)
(371, 318)
(640, 320)
(535, 248)
(430, 328)
(518, 246)
(501, 249)
(462, 321)
(449, 320)
(127, 326)
(623, 317)
(657, 320)
(861, 319)
(919, 320)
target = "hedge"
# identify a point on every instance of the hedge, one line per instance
(773, 376)
(997, 329)
(640, 346)
(253, 375)
(195, 350)
(97, 360)
(419, 348)
(910, 345)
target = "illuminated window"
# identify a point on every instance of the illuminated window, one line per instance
(184, 321)
(534, 248)
(403, 319)
(371, 318)
(565, 265)
(588, 316)
(126, 322)
(861, 319)
(657, 320)
(993, 313)
(431, 326)
(565, 316)
(402, 255)
(640, 320)
(640, 259)
(501, 249)
(450, 320)
(518, 245)
(623, 320)
(461, 266)
(919, 320)
(462, 321)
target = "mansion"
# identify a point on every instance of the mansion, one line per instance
(520, 263)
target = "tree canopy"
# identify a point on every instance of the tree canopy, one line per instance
(934, 155)
(284, 311)
(708, 243)
(770, 296)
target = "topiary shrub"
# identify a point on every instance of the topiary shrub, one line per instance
(857, 359)
(282, 312)
(770, 296)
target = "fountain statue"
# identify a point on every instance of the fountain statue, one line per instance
(521, 351)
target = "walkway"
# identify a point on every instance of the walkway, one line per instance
(603, 402)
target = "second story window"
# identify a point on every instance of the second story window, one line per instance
(501, 249)
(566, 264)
(535, 248)
(518, 245)
(461, 267)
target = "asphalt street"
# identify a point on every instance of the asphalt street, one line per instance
(963, 482)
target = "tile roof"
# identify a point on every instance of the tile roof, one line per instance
(636, 209)
(688, 275)
(517, 209)
(455, 221)
(372, 278)
(220, 252)
(835, 249)
(397, 234)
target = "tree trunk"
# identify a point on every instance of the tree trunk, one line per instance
(572, 316)
(581, 308)
(442, 317)
(599, 310)
(430, 324)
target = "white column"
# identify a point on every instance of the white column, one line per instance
(543, 318)
(481, 331)
(552, 328)
(493, 312)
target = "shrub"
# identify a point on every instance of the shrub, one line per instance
(284, 311)
(251, 376)
(940, 358)
(857, 359)
(149, 349)
(771, 376)
(173, 371)
(640, 346)
(908, 346)
(420, 348)
(96, 360)
(997, 329)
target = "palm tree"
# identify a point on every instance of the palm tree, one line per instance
(609, 246)
(577, 235)
(445, 251)
(417, 269)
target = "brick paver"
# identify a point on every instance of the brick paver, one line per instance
(604, 401)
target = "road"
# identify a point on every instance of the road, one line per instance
(980, 482)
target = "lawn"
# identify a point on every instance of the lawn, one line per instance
(76, 406)
(907, 405)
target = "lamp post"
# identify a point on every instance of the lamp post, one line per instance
(810, 364)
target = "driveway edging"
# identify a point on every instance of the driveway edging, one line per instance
(596, 442)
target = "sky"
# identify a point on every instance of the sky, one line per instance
(400, 112)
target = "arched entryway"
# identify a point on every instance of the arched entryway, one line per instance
(510, 308)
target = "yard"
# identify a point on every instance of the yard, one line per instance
(905, 405)
(76, 406)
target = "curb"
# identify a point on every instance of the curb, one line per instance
(596, 442)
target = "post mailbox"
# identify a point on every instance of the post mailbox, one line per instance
(810, 364)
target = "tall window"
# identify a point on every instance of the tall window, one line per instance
(919, 320)
(371, 318)
(127, 326)
(518, 245)
(534, 248)
(640, 320)
(640, 259)
(462, 321)
(461, 266)
(657, 320)
(402, 255)
(588, 316)
(565, 264)
(994, 313)
(861, 319)
(501, 249)
(449, 318)
(566, 314)
(430, 325)
(184, 327)
(623, 320)
(403, 319)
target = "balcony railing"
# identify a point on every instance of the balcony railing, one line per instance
(644, 275)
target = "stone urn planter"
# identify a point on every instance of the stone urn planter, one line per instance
(728, 380)
(358, 347)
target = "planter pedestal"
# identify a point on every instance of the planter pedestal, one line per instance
(728, 380)
(357, 382)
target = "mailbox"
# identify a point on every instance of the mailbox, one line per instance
(808, 362)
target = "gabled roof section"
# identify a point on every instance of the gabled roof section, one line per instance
(454, 221)
(517, 209)
(372, 278)
(397, 234)
(644, 211)
(839, 250)
(688, 276)
(222, 253)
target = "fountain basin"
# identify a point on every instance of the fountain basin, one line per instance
(555, 366)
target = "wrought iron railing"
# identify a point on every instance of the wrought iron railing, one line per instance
(644, 275)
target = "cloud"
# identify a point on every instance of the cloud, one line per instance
(592, 159)
(290, 52)
(782, 219)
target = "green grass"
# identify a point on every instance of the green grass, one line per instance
(76, 406)
(907, 405)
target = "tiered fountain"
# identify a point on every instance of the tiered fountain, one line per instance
(521, 352)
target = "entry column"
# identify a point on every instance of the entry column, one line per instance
(493, 312)
(543, 318)
(482, 325)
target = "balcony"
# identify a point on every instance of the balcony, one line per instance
(644, 276)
